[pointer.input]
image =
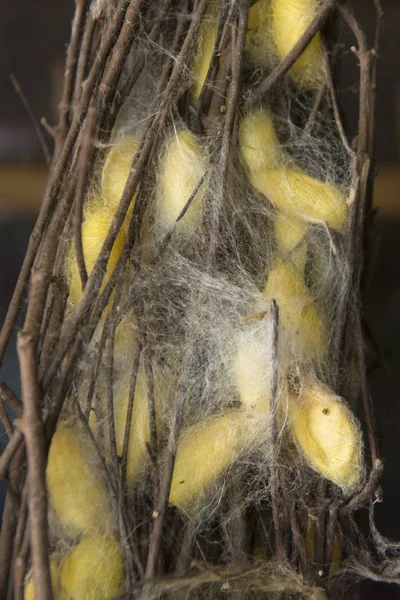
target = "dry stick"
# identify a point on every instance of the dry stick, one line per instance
(32, 116)
(10, 519)
(70, 65)
(363, 56)
(152, 404)
(20, 569)
(204, 99)
(363, 170)
(162, 500)
(184, 558)
(22, 532)
(6, 420)
(50, 335)
(335, 106)
(298, 537)
(119, 54)
(56, 178)
(32, 427)
(110, 386)
(374, 75)
(233, 98)
(279, 541)
(10, 398)
(169, 235)
(9, 451)
(314, 111)
(289, 60)
(84, 162)
(83, 58)
(139, 161)
(127, 433)
(122, 95)
(320, 527)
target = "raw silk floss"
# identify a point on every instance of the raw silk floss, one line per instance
(210, 372)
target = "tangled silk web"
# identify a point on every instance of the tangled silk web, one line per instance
(212, 374)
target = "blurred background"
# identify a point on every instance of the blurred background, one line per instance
(33, 38)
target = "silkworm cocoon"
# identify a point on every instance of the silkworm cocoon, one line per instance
(207, 39)
(29, 593)
(289, 20)
(258, 38)
(116, 171)
(298, 313)
(205, 452)
(139, 433)
(93, 570)
(258, 141)
(95, 228)
(77, 492)
(328, 435)
(252, 373)
(300, 195)
(181, 169)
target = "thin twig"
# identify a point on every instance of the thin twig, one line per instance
(33, 118)
(279, 541)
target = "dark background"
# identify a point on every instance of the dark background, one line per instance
(33, 37)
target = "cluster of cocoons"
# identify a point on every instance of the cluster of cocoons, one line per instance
(91, 568)
(221, 321)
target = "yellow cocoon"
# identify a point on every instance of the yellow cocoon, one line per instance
(258, 38)
(328, 435)
(29, 593)
(76, 489)
(205, 452)
(139, 433)
(116, 171)
(289, 20)
(258, 141)
(95, 226)
(298, 313)
(252, 374)
(300, 195)
(93, 570)
(207, 39)
(181, 169)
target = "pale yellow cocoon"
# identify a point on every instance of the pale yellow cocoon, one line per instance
(205, 452)
(181, 169)
(139, 433)
(116, 171)
(93, 570)
(298, 314)
(302, 196)
(95, 226)
(77, 492)
(205, 49)
(289, 20)
(29, 593)
(259, 46)
(328, 435)
(252, 374)
(258, 141)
